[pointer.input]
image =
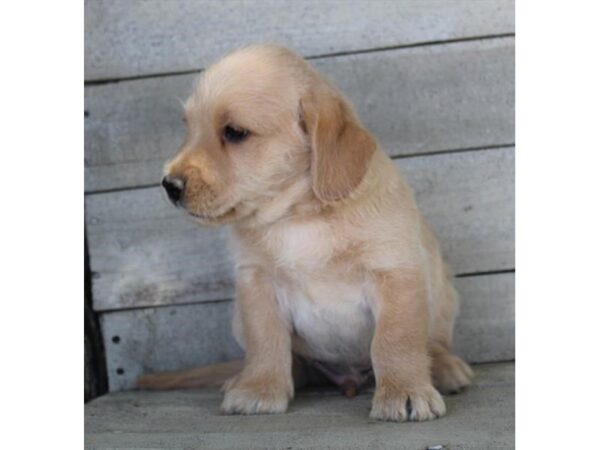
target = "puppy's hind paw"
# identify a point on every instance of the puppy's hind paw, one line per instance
(450, 374)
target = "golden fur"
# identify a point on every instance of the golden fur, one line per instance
(334, 261)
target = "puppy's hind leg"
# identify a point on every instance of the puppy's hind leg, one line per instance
(449, 373)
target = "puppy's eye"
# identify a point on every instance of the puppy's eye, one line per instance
(234, 135)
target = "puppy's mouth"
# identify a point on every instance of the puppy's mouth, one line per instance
(215, 219)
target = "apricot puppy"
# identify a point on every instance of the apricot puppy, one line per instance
(337, 273)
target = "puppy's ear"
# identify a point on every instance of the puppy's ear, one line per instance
(341, 148)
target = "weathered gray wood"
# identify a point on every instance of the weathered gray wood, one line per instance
(485, 329)
(185, 336)
(144, 252)
(168, 338)
(132, 38)
(414, 100)
(482, 417)
(469, 199)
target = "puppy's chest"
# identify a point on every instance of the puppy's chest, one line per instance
(322, 293)
(304, 246)
(331, 318)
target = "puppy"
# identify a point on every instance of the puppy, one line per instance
(337, 273)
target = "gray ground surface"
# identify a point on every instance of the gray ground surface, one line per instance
(480, 418)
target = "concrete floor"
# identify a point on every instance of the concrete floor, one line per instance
(480, 418)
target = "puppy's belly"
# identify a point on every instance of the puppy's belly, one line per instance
(332, 321)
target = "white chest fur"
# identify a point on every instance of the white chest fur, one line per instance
(332, 320)
(330, 314)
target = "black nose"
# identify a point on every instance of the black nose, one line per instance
(174, 187)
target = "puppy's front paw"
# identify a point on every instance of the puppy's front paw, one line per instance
(415, 404)
(256, 396)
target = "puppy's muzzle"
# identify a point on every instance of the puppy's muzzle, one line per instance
(174, 187)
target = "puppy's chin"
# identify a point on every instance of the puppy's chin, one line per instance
(230, 215)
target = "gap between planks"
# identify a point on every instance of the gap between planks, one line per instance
(102, 81)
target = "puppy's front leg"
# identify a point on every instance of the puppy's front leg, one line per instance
(265, 384)
(399, 350)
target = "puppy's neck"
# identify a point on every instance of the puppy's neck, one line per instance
(295, 199)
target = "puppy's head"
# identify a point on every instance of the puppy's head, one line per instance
(257, 121)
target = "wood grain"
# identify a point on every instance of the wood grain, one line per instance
(125, 39)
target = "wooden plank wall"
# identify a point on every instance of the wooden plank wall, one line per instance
(433, 80)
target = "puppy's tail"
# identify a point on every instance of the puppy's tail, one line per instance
(209, 376)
